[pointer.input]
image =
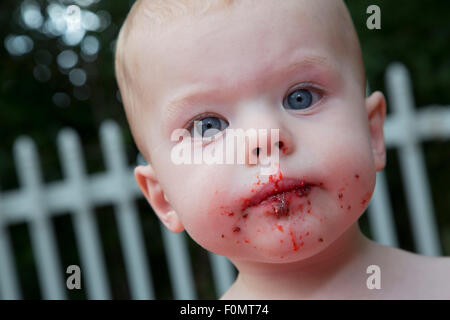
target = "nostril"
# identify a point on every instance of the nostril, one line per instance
(279, 144)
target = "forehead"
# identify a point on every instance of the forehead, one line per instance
(236, 46)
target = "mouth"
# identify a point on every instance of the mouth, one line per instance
(278, 191)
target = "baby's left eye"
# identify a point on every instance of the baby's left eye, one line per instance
(301, 99)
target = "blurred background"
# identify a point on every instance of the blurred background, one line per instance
(55, 73)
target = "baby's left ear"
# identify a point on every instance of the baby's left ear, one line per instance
(376, 111)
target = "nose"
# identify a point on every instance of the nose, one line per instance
(271, 142)
(268, 135)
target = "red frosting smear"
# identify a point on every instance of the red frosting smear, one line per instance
(280, 202)
(275, 178)
(294, 245)
(365, 198)
(258, 182)
(245, 201)
(281, 207)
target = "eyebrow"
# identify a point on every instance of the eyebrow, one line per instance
(312, 62)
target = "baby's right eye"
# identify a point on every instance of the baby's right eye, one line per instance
(207, 127)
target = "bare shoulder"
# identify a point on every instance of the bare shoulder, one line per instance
(437, 267)
(419, 276)
(429, 266)
(435, 273)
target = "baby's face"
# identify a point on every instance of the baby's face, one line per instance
(244, 69)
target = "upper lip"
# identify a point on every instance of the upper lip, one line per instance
(275, 187)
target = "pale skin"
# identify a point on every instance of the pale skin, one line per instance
(337, 141)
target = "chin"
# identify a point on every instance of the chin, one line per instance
(291, 256)
(282, 253)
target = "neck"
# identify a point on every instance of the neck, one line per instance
(334, 267)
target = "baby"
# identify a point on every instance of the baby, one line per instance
(291, 65)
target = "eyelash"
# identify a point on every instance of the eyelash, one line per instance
(305, 85)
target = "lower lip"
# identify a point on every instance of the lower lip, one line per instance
(280, 202)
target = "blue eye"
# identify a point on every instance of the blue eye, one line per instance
(300, 99)
(208, 126)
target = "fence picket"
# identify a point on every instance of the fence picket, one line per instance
(412, 163)
(84, 223)
(131, 238)
(9, 288)
(42, 236)
(223, 273)
(180, 270)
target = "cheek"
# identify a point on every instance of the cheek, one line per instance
(204, 206)
(343, 152)
(351, 176)
(197, 192)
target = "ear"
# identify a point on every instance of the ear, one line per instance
(376, 111)
(150, 187)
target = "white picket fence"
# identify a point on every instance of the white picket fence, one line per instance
(35, 203)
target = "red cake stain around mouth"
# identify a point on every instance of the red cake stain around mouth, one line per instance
(276, 198)
(294, 244)
(279, 197)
